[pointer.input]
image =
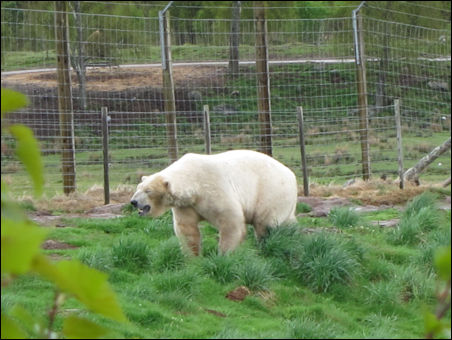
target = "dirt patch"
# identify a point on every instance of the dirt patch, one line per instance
(52, 244)
(124, 78)
(214, 312)
(238, 294)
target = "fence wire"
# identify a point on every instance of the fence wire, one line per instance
(311, 64)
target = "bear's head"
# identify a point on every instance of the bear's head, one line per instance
(152, 196)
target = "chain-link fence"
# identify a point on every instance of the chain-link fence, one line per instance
(116, 63)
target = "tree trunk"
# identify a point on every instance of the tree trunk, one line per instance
(414, 172)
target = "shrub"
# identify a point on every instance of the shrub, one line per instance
(131, 253)
(343, 217)
(323, 262)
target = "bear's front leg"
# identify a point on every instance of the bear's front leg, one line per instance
(186, 227)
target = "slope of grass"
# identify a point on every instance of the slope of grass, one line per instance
(353, 284)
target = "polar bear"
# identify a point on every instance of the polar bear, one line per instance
(228, 190)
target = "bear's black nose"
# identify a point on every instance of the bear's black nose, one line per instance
(134, 203)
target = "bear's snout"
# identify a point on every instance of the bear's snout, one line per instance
(134, 203)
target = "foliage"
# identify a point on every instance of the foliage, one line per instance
(420, 216)
(343, 217)
(20, 254)
(324, 261)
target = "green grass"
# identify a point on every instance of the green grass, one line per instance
(343, 217)
(354, 284)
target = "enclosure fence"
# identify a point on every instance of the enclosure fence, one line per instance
(116, 64)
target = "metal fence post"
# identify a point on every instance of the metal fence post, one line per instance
(399, 141)
(168, 83)
(105, 120)
(207, 136)
(303, 151)
(362, 90)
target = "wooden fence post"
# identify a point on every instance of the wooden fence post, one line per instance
(168, 84)
(207, 137)
(362, 91)
(303, 151)
(263, 79)
(66, 113)
(399, 141)
(105, 120)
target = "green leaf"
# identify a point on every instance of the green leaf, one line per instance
(20, 244)
(88, 285)
(10, 329)
(443, 263)
(28, 152)
(27, 320)
(12, 100)
(433, 326)
(75, 327)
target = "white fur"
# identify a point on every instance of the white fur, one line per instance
(228, 190)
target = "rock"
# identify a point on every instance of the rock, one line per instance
(438, 85)
(225, 109)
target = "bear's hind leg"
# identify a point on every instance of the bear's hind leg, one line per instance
(186, 228)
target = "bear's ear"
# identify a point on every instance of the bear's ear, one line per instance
(143, 178)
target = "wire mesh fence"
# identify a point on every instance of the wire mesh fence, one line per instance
(116, 63)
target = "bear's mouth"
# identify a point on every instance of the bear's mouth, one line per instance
(144, 211)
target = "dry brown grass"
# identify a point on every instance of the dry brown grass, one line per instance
(82, 202)
(373, 192)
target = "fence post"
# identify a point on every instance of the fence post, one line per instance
(303, 151)
(362, 90)
(105, 120)
(234, 40)
(263, 79)
(168, 84)
(66, 112)
(207, 136)
(399, 141)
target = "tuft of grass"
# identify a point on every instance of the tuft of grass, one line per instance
(302, 208)
(256, 274)
(384, 295)
(99, 258)
(324, 261)
(426, 199)
(222, 268)
(168, 256)
(183, 281)
(280, 242)
(343, 217)
(307, 328)
(131, 253)
(419, 217)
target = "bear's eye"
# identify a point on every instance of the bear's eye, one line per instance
(147, 192)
